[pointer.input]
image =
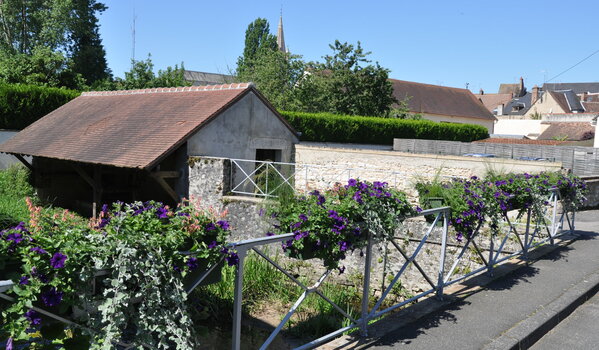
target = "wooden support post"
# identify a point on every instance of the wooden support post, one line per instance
(24, 161)
(97, 190)
(159, 177)
(95, 183)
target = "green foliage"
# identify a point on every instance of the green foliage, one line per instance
(327, 127)
(21, 105)
(51, 43)
(142, 76)
(276, 74)
(327, 225)
(14, 188)
(258, 41)
(343, 85)
(146, 251)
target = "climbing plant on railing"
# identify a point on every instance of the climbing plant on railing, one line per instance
(329, 224)
(137, 255)
(475, 201)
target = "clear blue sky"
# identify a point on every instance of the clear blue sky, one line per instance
(451, 43)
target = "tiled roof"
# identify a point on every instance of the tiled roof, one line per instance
(578, 88)
(570, 131)
(512, 89)
(561, 100)
(591, 107)
(441, 100)
(133, 129)
(523, 141)
(204, 78)
(491, 101)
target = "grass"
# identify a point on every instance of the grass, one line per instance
(266, 290)
(14, 188)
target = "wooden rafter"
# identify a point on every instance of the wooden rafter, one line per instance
(160, 176)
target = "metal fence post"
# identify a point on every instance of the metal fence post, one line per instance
(440, 282)
(237, 303)
(491, 254)
(366, 290)
(526, 233)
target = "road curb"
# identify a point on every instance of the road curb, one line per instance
(525, 333)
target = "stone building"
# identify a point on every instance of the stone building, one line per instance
(135, 145)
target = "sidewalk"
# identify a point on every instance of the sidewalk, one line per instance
(520, 305)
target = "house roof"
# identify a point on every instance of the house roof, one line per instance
(491, 101)
(570, 131)
(441, 100)
(131, 128)
(512, 89)
(591, 107)
(578, 88)
(204, 78)
(518, 105)
(567, 100)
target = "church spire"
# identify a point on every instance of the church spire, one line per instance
(280, 36)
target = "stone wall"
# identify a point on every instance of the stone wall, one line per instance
(209, 181)
(593, 194)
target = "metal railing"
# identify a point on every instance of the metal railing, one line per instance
(367, 314)
(268, 179)
(550, 224)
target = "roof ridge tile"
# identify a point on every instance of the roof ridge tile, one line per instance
(199, 88)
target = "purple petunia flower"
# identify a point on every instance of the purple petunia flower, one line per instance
(210, 227)
(269, 233)
(223, 224)
(192, 263)
(52, 297)
(351, 183)
(33, 317)
(57, 261)
(303, 217)
(343, 246)
(9, 345)
(162, 212)
(38, 250)
(24, 280)
(232, 259)
(15, 237)
(212, 245)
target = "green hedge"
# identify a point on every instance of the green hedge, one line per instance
(326, 127)
(21, 105)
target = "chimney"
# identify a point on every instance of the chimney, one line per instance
(535, 95)
(481, 92)
(583, 97)
(522, 91)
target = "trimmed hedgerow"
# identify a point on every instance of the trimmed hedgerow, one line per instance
(327, 127)
(21, 105)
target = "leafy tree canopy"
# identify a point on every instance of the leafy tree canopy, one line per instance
(56, 42)
(142, 76)
(257, 40)
(346, 83)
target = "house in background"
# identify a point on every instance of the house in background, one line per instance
(550, 102)
(135, 145)
(202, 78)
(443, 104)
(495, 103)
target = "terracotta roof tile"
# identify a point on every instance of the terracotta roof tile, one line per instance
(128, 128)
(570, 131)
(491, 101)
(441, 100)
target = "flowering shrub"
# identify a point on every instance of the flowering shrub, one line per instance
(328, 224)
(146, 250)
(475, 200)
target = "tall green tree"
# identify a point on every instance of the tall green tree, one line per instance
(142, 76)
(346, 83)
(87, 51)
(276, 75)
(257, 40)
(56, 42)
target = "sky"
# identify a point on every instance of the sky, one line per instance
(475, 44)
